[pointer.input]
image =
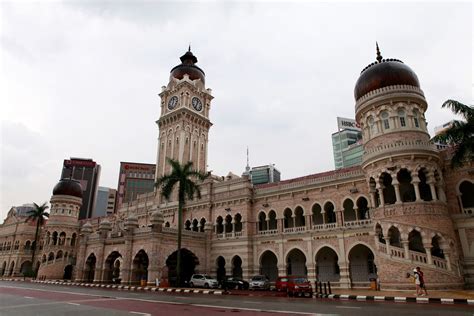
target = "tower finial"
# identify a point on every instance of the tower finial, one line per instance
(189, 47)
(247, 168)
(379, 57)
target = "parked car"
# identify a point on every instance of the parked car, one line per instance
(234, 283)
(259, 282)
(298, 285)
(203, 280)
(281, 284)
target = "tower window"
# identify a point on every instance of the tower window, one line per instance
(415, 118)
(401, 116)
(385, 121)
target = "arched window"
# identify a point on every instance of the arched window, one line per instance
(416, 118)
(401, 118)
(219, 225)
(262, 221)
(238, 222)
(385, 120)
(425, 191)
(288, 219)
(228, 224)
(436, 248)
(299, 217)
(187, 225)
(407, 191)
(272, 221)
(167, 224)
(62, 238)
(73, 239)
(394, 237)
(363, 208)
(349, 213)
(195, 225)
(330, 214)
(415, 242)
(379, 233)
(317, 215)
(372, 126)
(388, 189)
(202, 224)
(55, 238)
(466, 188)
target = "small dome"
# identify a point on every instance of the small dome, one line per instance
(188, 67)
(384, 73)
(68, 187)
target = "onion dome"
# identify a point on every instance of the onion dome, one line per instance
(68, 187)
(188, 67)
(384, 73)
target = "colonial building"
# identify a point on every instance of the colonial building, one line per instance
(403, 207)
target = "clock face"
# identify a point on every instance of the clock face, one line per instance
(172, 102)
(197, 104)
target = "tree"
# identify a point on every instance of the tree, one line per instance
(181, 175)
(461, 133)
(37, 214)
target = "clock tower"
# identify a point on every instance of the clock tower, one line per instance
(184, 121)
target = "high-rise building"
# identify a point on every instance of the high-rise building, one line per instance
(105, 202)
(87, 172)
(264, 174)
(134, 179)
(347, 144)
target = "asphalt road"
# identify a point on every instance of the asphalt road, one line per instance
(18, 298)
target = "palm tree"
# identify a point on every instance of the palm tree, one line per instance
(461, 133)
(180, 175)
(37, 214)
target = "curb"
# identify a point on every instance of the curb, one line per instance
(133, 288)
(421, 300)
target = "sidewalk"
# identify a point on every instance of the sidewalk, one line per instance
(454, 294)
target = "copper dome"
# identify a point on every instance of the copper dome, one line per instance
(384, 73)
(68, 187)
(188, 67)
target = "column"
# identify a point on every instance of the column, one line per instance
(339, 219)
(428, 253)
(323, 213)
(356, 210)
(293, 217)
(433, 191)
(380, 188)
(415, 182)
(308, 222)
(372, 199)
(233, 227)
(396, 186)
(407, 249)
(447, 256)
(154, 266)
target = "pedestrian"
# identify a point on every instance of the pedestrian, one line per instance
(416, 277)
(422, 282)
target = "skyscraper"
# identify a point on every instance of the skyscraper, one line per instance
(87, 172)
(346, 144)
(134, 179)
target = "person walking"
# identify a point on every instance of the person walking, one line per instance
(417, 281)
(422, 282)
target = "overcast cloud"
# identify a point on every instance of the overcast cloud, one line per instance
(81, 79)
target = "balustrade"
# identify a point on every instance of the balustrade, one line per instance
(358, 223)
(268, 232)
(440, 263)
(325, 226)
(397, 252)
(418, 257)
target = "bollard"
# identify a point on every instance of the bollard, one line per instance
(329, 287)
(320, 287)
(325, 292)
(316, 286)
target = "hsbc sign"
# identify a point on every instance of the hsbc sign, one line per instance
(345, 123)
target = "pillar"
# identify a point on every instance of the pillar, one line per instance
(380, 188)
(429, 258)
(339, 219)
(323, 213)
(406, 249)
(447, 256)
(415, 182)
(396, 186)
(356, 210)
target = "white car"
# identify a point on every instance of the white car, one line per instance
(203, 280)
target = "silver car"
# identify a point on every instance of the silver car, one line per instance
(203, 280)
(259, 282)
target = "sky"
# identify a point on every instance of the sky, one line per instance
(81, 79)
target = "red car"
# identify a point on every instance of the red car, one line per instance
(281, 283)
(298, 285)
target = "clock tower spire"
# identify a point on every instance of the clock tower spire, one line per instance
(184, 120)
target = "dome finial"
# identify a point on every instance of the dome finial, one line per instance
(189, 47)
(379, 57)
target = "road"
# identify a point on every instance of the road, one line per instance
(17, 298)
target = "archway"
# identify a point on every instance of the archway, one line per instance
(317, 215)
(238, 222)
(195, 225)
(12, 266)
(140, 267)
(361, 265)
(202, 224)
(219, 225)
(187, 225)
(466, 189)
(67, 272)
(299, 217)
(349, 212)
(272, 221)
(237, 267)
(394, 237)
(26, 267)
(4, 268)
(363, 208)
(436, 249)
(287, 218)
(220, 262)
(189, 261)
(415, 241)
(89, 271)
(327, 267)
(387, 188)
(425, 190)
(296, 263)
(55, 238)
(112, 267)
(268, 265)
(329, 212)
(228, 224)
(407, 191)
